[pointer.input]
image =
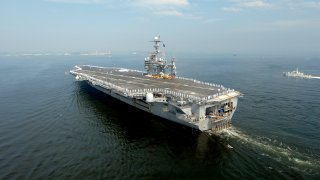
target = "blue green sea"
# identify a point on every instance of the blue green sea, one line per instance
(52, 127)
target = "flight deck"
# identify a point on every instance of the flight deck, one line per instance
(132, 80)
(159, 91)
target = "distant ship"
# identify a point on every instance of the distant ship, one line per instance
(159, 91)
(297, 74)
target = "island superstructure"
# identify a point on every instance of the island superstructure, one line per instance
(159, 91)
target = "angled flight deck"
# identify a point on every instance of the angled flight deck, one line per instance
(200, 105)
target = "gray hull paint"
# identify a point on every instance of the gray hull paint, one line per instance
(155, 108)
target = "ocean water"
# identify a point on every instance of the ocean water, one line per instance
(53, 127)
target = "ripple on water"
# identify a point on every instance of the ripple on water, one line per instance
(53, 127)
(274, 150)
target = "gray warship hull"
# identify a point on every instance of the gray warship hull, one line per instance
(199, 105)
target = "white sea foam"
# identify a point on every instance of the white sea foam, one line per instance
(273, 149)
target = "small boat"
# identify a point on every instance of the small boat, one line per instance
(297, 74)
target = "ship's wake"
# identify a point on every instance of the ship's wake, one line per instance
(316, 77)
(274, 149)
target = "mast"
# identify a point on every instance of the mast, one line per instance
(156, 64)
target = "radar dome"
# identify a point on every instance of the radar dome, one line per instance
(149, 97)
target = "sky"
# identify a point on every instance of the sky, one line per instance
(200, 26)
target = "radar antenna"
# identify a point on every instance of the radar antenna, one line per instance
(156, 64)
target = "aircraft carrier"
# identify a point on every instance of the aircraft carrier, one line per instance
(196, 104)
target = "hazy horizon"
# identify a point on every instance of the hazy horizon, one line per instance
(204, 26)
